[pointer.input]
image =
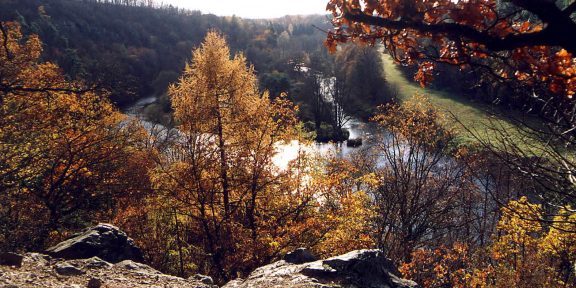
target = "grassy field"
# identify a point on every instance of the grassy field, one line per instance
(472, 116)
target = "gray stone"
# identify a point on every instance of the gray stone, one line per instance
(37, 257)
(202, 278)
(299, 256)
(96, 263)
(356, 269)
(360, 268)
(66, 269)
(104, 241)
(128, 264)
(137, 267)
(94, 283)
(356, 142)
(11, 259)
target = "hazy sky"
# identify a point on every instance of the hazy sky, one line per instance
(253, 8)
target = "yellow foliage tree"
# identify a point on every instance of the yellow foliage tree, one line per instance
(528, 253)
(560, 245)
(516, 252)
(346, 210)
(232, 208)
(225, 205)
(63, 149)
(524, 253)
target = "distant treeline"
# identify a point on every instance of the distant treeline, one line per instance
(134, 48)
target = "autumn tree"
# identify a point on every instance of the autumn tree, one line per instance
(525, 252)
(518, 45)
(64, 148)
(360, 74)
(421, 195)
(230, 207)
(525, 39)
(346, 211)
(440, 267)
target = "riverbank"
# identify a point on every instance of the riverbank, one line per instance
(467, 118)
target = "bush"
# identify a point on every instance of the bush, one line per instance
(327, 133)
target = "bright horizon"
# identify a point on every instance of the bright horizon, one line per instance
(253, 8)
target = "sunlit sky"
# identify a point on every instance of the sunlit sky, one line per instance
(253, 8)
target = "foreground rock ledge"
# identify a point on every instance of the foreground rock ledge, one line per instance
(39, 270)
(360, 268)
(89, 253)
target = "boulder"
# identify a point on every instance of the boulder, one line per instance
(356, 142)
(202, 278)
(360, 268)
(40, 271)
(104, 241)
(136, 267)
(96, 263)
(66, 269)
(299, 256)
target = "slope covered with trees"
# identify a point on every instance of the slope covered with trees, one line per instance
(135, 50)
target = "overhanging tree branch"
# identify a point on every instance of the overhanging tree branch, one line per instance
(554, 33)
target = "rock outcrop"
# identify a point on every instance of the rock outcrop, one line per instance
(361, 268)
(39, 270)
(85, 261)
(104, 241)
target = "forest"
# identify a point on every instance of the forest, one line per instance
(194, 176)
(145, 48)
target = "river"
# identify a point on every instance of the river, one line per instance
(289, 151)
(368, 132)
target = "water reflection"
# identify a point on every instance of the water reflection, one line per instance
(289, 151)
(358, 129)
